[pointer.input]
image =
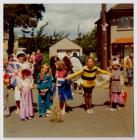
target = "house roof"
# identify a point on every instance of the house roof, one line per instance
(118, 7)
(65, 44)
(122, 6)
(128, 40)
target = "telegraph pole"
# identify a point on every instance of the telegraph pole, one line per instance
(104, 37)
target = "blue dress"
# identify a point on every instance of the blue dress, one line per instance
(44, 102)
(65, 92)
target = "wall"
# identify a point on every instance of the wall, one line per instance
(115, 33)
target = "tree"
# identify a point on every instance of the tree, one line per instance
(87, 41)
(21, 15)
(40, 36)
(41, 40)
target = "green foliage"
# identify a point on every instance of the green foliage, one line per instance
(59, 35)
(41, 30)
(21, 15)
(87, 41)
(46, 58)
(42, 40)
(28, 43)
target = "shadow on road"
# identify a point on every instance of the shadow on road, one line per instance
(13, 108)
(70, 108)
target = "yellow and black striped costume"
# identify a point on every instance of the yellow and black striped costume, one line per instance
(88, 75)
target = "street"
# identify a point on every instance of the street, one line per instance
(77, 123)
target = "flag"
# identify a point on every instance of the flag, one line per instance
(13, 69)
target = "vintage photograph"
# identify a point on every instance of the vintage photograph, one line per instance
(68, 70)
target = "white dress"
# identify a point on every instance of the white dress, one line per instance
(24, 65)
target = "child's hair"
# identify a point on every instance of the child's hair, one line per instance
(11, 57)
(90, 57)
(25, 72)
(60, 65)
(48, 67)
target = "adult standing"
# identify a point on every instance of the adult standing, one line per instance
(32, 58)
(129, 68)
(75, 62)
(76, 66)
(68, 65)
(53, 61)
(38, 63)
(67, 61)
(6, 110)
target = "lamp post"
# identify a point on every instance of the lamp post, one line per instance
(104, 37)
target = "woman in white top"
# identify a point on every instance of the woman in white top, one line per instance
(75, 61)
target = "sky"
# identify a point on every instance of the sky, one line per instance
(68, 17)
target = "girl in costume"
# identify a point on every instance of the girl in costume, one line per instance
(25, 85)
(44, 86)
(6, 110)
(88, 74)
(116, 87)
(20, 60)
(64, 88)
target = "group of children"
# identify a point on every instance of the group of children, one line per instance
(47, 88)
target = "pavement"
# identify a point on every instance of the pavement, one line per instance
(77, 123)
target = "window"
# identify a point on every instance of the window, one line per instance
(125, 22)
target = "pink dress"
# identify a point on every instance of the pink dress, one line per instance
(26, 107)
(116, 87)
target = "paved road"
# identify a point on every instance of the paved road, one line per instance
(77, 123)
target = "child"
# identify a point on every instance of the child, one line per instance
(5, 104)
(20, 60)
(115, 87)
(25, 86)
(88, 74)
(32, 58)
(44, 85)
(64, 86)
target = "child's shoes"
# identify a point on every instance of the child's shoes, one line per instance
(24, 119)
(63, 112)
(119, 108)
(90, 111)
(47, 115)
(112, 109)
(29, 118)
(48, 111)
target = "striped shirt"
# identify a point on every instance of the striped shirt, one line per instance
(88, 75)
